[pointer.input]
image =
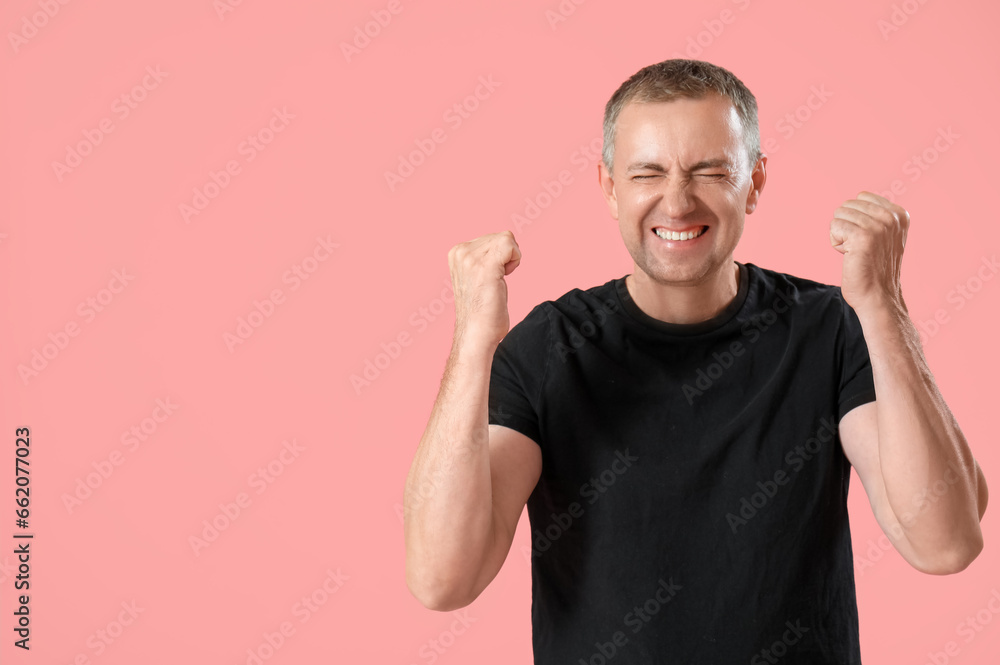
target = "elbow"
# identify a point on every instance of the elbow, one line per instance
(437, 600)
(953, 561)
(442, 604)
(435, 595)
(982, 491)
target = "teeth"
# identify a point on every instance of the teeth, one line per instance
(674, 235)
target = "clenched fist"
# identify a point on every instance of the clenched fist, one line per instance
(478, 268)
(870, 231)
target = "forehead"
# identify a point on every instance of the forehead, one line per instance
(684, 128)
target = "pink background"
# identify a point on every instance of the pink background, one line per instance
(334, 505)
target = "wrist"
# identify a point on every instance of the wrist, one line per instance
(885, 323)
(470, 344)
(881, 306)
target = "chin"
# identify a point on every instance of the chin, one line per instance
(674, 274)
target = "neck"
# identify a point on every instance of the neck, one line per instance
(685, 304)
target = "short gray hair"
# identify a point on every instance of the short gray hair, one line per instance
(672, 79)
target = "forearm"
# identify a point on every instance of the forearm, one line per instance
(448, 502)
(929, 473)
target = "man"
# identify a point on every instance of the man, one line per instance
(683, 436)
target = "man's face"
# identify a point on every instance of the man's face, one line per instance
(681, 166)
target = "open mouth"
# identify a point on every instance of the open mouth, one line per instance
(680, 236)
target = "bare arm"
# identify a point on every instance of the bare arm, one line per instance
(926, 488)
(447, 504)
(460, 507)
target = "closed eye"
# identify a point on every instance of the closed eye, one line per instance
(700, 175)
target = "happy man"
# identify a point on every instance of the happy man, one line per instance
(683, 435)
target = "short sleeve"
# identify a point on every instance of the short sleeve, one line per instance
(857, 384)
(518, 374)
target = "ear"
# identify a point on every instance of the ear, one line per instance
(607, 184)
(757, 177)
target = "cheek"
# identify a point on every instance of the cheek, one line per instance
(635, 203)
(725, 201)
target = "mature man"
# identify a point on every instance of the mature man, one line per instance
(683, 435)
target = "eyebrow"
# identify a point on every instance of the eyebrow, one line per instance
(704, 164)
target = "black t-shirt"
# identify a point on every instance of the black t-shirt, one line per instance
(692, 506)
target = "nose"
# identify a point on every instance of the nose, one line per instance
(676, 200)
